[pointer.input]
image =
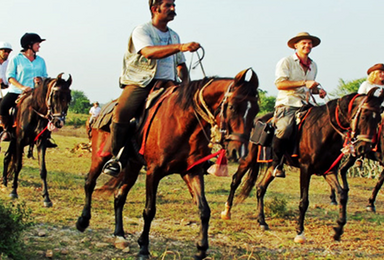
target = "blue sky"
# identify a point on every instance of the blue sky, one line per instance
(87, 38)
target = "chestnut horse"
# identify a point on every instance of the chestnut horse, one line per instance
(45, 107)
(321, 136)
(176, 139)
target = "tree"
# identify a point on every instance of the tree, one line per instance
(267, 103)
(80, 104)
(347, 87)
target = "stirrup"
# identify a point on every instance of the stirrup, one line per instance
(278, 172)
(5, 136)
(112, 168)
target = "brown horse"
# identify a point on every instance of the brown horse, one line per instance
(377, 155)
(320, 138)
(44, 108)
(177, 138)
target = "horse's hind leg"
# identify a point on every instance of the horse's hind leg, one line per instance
(261, 189)
(131, 172)
(195, 184)
(372, 199)
(245, 164)
(305, 179)
(343, 199)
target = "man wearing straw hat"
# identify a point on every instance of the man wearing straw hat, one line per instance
(295, 81)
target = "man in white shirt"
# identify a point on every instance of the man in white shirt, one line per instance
(154, 53)
(295, 81)
(94, 112)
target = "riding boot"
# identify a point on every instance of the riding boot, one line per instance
(4, 121)
(119, 137)
(49, 143)
(278, 151)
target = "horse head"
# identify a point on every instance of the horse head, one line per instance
(58, 99)
(363, 113)
(240, 108)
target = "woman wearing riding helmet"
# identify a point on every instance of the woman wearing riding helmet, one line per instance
(24, 71)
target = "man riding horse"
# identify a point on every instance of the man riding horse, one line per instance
(295, 80)
(154, 53)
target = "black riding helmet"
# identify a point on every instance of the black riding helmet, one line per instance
(29, 39)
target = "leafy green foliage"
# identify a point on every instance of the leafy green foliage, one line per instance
(347, 87)
(14, 219)
(80, 104)
(267, 103)
(277, 207)
(76, 120)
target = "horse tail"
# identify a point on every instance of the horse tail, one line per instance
(110, 186)
(247, 186)
(250, 165)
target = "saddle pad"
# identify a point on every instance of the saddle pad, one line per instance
(105, 117)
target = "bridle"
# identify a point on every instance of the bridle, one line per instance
(353, 119)
(218, 134)
(50, 115)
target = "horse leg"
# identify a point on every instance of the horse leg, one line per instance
(305, 179)
(149, 212)
(131, 172)
(90, 181)
(261, 189)
(89, 187)
(344, 167)
(245, 164)
(43, 175)
(6, 162)
(14, 157)
(195, 183)
(343, 199)
(372, 199)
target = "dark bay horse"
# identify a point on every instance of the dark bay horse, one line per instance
(377, 155)
(36, 113)
(177, 138)
(321, 137)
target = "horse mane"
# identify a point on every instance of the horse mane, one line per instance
(186, 93)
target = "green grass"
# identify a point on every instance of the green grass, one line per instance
(176, 225)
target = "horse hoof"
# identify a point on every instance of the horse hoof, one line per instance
(225, 216)
(333, 203)
(200, 256)
(264, 227)
(13, 196)
(300, 239)
(82, 224)
(371, 209)
(47, 204)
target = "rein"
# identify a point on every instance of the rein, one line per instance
(204, 112)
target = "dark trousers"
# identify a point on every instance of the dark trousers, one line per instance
(130, 101)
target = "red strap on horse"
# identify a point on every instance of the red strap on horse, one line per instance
(37, 136)
(204, 159)
(334, 163)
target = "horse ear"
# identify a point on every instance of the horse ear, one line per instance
(60, 75)
(240, 77)
(372, 91)
(69, 80)
(254, 79)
